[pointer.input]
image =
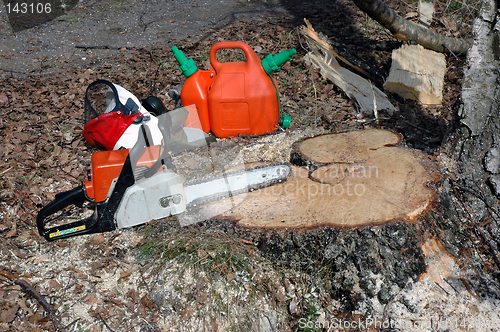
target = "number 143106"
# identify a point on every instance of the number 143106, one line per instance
(28, 8)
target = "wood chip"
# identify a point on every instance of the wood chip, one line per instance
(323, 56)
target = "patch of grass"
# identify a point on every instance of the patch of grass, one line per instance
(115, 5)
(147, 249)
(309, 322)
(71, 19)
(236, 281)
(23, 178)
(214, 253)
(164, 64)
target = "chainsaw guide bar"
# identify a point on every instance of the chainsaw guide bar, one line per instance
(233, 183)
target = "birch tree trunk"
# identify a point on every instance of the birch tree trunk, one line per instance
(471, 156)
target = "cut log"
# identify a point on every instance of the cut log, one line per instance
(418, 74)
(426, 12)
(352, 179)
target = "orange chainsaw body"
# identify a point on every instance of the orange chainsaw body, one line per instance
(107, 165)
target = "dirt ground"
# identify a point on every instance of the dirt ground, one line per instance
(119, 24)
(159, 277)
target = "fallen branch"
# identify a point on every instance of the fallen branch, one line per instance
(103, 47)
(37, 296)
(8, 169)
(66, 328)
(19, 198)
(407, 31)
(105, 324)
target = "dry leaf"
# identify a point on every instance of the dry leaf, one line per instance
(202, 297)
(40, 258)
(63, 159)
(116, 302)
(411, 15)
(3, 98)
(9, 314)
(200, 284)
(54, 284)
(90, 299)
(127, 273)
(186, 313)
(201, 253)
(147, 302)
(134, 295)
(280, 295)
(97, 239)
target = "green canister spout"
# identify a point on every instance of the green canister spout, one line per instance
(187, 66)
(273, 62)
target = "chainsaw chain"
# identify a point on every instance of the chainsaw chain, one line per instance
(216, 197)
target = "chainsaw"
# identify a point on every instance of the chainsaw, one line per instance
(130, 187)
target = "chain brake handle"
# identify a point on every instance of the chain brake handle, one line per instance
(165, 125)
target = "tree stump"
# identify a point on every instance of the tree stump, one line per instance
(366, 246)
(351, 179)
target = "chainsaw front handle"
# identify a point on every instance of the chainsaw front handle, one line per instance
(74, 196)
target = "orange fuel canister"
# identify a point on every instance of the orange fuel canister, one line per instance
(243, 98)
(194, 93)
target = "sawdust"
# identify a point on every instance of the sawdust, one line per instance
(442, 299)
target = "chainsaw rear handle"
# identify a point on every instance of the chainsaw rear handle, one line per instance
(101, 221)
(74, 196)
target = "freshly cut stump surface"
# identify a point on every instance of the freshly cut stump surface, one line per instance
(349, 179)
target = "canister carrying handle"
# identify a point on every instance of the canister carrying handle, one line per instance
(249, 53)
